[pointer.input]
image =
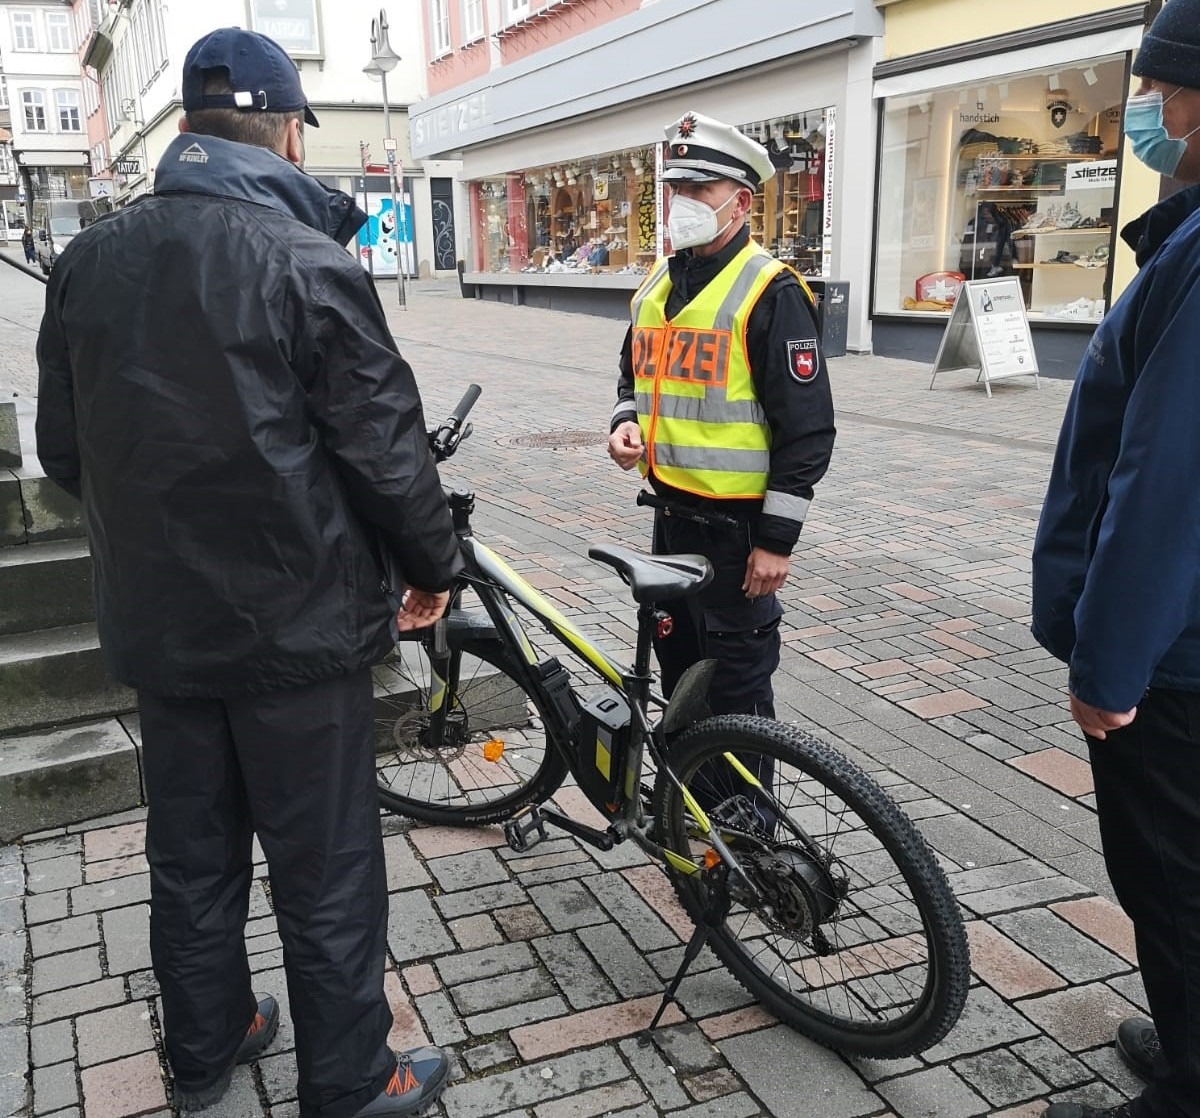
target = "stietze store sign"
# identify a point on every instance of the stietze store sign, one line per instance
(1098, 175)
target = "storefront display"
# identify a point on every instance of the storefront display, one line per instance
(1014, 177)
(604, 215)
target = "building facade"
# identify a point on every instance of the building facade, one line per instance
(40, 47)
(557, 109)
(138, 52)
(1001, 154)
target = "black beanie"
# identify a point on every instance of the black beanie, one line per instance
(1170, 51)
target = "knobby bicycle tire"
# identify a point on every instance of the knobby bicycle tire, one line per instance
(861, 972)
(451, 781)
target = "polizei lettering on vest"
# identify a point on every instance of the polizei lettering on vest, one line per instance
(701, 356)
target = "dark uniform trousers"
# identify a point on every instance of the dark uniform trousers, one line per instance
(1147, 778)
(720, 622)
(297, 768)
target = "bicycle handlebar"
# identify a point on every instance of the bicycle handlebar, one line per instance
(444, 440)
(685, 512)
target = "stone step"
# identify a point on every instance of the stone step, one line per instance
(55, 777)
(32, 508)
(45, 586)
(54, 676)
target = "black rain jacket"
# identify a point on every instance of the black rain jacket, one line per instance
(219, 385)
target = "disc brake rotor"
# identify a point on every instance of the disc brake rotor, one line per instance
(410, 736)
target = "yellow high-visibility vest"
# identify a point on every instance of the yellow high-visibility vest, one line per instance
(703, 427)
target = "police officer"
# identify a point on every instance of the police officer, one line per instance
(724, 403)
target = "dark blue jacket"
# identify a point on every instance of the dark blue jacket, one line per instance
(1116, 564)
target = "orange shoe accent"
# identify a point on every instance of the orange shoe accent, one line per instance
(258, 1022)
(398, 1086)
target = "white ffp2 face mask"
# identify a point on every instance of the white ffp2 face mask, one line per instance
(692, 223)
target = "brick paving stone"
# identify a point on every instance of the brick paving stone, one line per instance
(115, 867)
(74, 968)
(127, 938)
(403, 869)
(473, 932)
(654, 888)
(278, 1077)
(943, 703)
(526, 1086)
(986, 1022)
(50, 848)
(77, 999)
(441, 842)
(64, 935)
(1104, 921)
(653, 1071)
(471, 870)
(599, 1100)
(1130, 987)
(421, 979)
(474, 965)
(44, 907)
(804, 1078)
(521, 922)
(687, 1049)
(484, 1057)
(12, 918)
(622, 963)
(441, 1022)
(484, 898)
(1099, 1095)
(964, 840)
(407, 1030)
(1081, 1017)
(935, 1093)
(592, 1026)
(241, 1101)
(631, 912)
(414, 928)
(110, 894)
(1068, 951)
(1066, 774)
(114, 842)
(579, 978)
(1026, 1110)
(1024, 895)
(1052, 1062)
(1000, 1077)
(110, 1033)
(54, 1088)
(130, 1086)
(51, 1044)
(52, 874)
(1106, 1063)
(487, 994)
(1008, 969)
(740, 1021)
(521, 1014)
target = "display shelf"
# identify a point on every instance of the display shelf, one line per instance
(1090, 231)
(1029, 267)
(1018, 189)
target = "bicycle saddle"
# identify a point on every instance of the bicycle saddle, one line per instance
(656, 578)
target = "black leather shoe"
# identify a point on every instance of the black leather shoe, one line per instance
(258, 1036)
(1079, 1110)
(1137, 1044)
(420, 1078)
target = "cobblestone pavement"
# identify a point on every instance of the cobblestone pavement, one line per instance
(906, 645)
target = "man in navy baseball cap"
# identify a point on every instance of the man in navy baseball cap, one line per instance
(262, 76)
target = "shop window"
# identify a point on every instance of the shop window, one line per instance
(1014, 177)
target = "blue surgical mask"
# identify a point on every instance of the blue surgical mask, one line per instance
(1151, 142)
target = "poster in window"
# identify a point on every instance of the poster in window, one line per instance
(294, 24)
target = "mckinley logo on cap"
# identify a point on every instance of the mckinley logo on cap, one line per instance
(194, 154)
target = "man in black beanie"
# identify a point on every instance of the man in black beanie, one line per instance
(1115, 588)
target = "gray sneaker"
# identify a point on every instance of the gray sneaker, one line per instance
(419, 1079)
(1138, 1046)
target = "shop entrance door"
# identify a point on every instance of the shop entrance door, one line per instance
(441, 194)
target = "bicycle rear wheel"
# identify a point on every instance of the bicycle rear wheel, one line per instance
(490, 756)
(856, 939)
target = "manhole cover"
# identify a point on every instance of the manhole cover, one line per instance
(557, 440)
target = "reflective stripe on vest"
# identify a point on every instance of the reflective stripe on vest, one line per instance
(704, 429)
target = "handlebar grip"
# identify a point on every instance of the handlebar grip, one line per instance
(464, 406)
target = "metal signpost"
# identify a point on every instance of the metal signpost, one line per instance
(383, 61)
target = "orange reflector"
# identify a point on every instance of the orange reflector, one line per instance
(711, 859)
(493, 750)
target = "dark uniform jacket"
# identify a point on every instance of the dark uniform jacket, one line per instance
(1116, 563)
(799, 413)
(219, 384)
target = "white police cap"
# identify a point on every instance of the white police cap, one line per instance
(703, 150)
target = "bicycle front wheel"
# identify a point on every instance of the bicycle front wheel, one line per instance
(487, 758)
(854, 938)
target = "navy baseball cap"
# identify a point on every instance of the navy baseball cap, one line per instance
(263, 77)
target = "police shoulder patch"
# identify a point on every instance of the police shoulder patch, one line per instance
(803, 362)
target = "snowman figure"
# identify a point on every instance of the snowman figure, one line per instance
(387, 247)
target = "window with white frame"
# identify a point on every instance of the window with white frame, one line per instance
(515, 10)
(91, 92)
(99, 10)
(439, 26)
(99, 158)
(24, 36)
(66, 101)
(3, 92)
(142, 70)
(472, 12)
(158, 34)
(33, 101)
(58, 31)
(112, 100)
(8, 171)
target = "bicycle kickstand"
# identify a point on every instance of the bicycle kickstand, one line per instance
(716, 911)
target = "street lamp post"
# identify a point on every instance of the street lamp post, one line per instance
(383, 61)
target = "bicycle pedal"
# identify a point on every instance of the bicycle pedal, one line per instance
(525, 830)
